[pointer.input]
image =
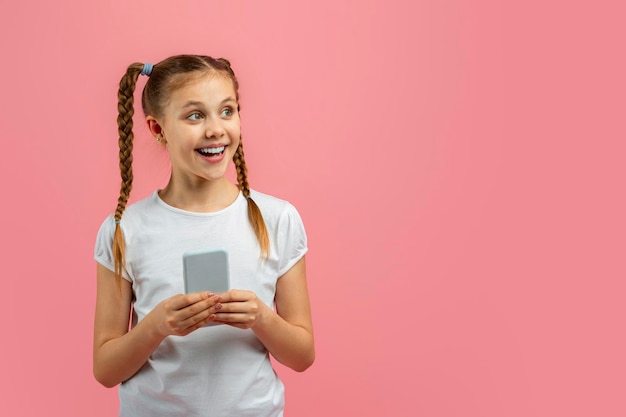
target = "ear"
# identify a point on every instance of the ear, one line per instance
(155, 127)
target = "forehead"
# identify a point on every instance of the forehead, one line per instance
(206, 88)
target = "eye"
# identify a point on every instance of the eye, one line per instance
(227, 112)
(194, 116)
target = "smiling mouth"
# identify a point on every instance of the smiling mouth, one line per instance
(211, 151)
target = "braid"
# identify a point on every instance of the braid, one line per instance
(254, 213)
(125, 108)
(242, 171)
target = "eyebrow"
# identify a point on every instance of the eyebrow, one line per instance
(194, 103)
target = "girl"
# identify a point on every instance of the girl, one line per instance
(168, 362)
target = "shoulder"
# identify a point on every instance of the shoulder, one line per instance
(134, 213)
(142, 206)
(141, 212)
(274, 208)
(286, 229)
(269, 203)
(279, 215)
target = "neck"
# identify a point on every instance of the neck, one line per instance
(200, 197)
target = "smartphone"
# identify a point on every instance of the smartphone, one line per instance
(206, 270)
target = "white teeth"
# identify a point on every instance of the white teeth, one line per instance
(212, 151)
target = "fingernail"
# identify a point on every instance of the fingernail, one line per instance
(218, 306)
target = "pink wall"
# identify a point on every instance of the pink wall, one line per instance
(459, 166)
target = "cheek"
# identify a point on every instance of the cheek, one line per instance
(180, 147)
(235, 133)
(235, 124)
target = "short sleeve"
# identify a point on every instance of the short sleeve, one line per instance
(291, 239)
(103, 252)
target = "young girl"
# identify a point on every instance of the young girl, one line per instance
(169, 363)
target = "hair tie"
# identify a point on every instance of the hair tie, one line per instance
(147, 69)
(117, 222)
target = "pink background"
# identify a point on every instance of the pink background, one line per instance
(459, 166)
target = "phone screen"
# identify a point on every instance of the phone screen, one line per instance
(206, 270)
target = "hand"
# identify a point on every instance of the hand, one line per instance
(239, 308)
(182, 314)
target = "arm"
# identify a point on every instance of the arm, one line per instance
(287, 333)
(119, 353)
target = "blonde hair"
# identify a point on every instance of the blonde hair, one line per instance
(166, 76)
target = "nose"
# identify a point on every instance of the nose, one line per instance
(214, 128)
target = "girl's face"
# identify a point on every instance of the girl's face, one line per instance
(201, 129)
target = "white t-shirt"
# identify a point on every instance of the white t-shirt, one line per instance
(217, 370)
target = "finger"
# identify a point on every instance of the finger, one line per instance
(230, 307)
(241, 321)
(201, 308)
(198, 320)
(183, 300)
(236, 295)
(245, 307)
(198, 325)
